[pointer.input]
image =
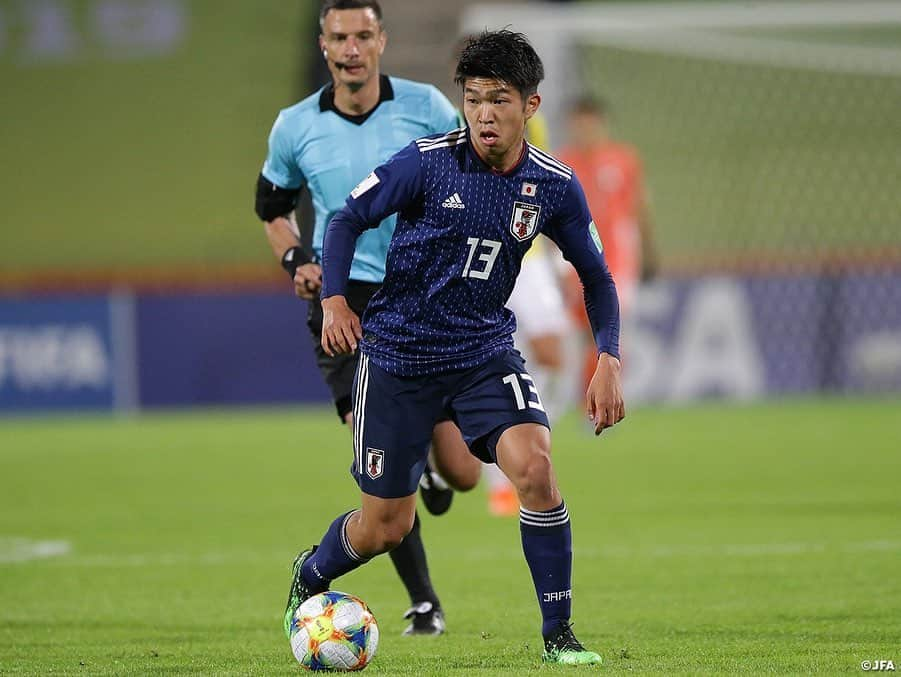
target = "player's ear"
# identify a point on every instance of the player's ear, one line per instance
(533, 101)
(383, 40)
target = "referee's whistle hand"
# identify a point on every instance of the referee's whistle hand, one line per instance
(341, 330)
(307, 280)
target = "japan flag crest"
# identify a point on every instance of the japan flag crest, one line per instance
(528, 189)
(375, 463)
(524, 223)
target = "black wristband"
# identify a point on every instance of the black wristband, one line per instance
(293, 258)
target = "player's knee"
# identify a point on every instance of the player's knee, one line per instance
(536, 475)
(392, 530)
(385, 529)
(393, 533)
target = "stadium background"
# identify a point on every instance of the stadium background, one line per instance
(134, 278)
(133, 128)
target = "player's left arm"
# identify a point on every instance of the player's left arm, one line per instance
(389, 189)
(573, 229)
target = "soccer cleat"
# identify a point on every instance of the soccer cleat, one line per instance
(300, 591)
(563, 647)
(436, 494)
(427, 620)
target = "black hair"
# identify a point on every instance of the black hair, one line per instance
(329, 5)
(501, 55)
(588, 105)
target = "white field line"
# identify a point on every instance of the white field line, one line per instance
(15, 550)
(224, 558)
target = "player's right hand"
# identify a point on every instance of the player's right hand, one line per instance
(341, 328)
(308, 280)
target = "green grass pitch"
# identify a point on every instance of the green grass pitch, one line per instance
(759, 538)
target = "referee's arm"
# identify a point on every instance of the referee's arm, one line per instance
(275, 207)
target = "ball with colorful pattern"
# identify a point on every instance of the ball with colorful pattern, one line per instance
(334, 631)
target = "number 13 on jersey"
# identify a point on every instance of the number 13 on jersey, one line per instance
(488, 251)
(530, 398)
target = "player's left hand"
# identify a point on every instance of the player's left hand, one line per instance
(341, 328)
(605, 394)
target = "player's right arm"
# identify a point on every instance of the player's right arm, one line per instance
(389, 189)
(278, 188)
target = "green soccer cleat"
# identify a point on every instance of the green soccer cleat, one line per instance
(562, 647)
(299, 592)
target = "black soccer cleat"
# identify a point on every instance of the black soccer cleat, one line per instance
(561, 646)
(436, 494)
(299, 592)
(427, 619)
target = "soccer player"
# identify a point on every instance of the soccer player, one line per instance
(436, 338)
(611, 173)
(327, 143)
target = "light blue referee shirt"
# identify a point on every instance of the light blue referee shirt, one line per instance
(313, 144)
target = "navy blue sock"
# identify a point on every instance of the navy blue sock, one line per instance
(547, 545)
(333, 558)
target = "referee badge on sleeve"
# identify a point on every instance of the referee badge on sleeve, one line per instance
(375, 462)
(524, 223)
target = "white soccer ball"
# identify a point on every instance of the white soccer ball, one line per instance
(334, 631)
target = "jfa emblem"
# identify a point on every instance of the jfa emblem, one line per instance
(375, 463)
(524, 223)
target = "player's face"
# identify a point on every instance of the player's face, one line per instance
(352, 42)
(497, 114)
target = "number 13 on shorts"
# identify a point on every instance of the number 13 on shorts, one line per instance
(525, 397)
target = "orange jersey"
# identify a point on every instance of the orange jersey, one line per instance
(611, 177)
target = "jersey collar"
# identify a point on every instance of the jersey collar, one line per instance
(523, 156)
(327, 101)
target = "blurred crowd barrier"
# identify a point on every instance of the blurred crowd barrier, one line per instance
(124, 351)
(725, 337)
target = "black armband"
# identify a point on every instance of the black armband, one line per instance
(272, 201)
(293, 258)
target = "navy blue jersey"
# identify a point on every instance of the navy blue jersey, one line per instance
(461, 234)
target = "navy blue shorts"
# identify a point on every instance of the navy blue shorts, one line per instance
(394, 417)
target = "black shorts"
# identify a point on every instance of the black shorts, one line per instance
(338, 371)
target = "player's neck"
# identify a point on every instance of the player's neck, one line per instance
(358, 101)
(502, 163)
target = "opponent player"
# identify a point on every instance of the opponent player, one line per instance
(328, 142)
(611, 173)
(436, 338)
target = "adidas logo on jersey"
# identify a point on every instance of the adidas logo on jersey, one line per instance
(454, 202)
